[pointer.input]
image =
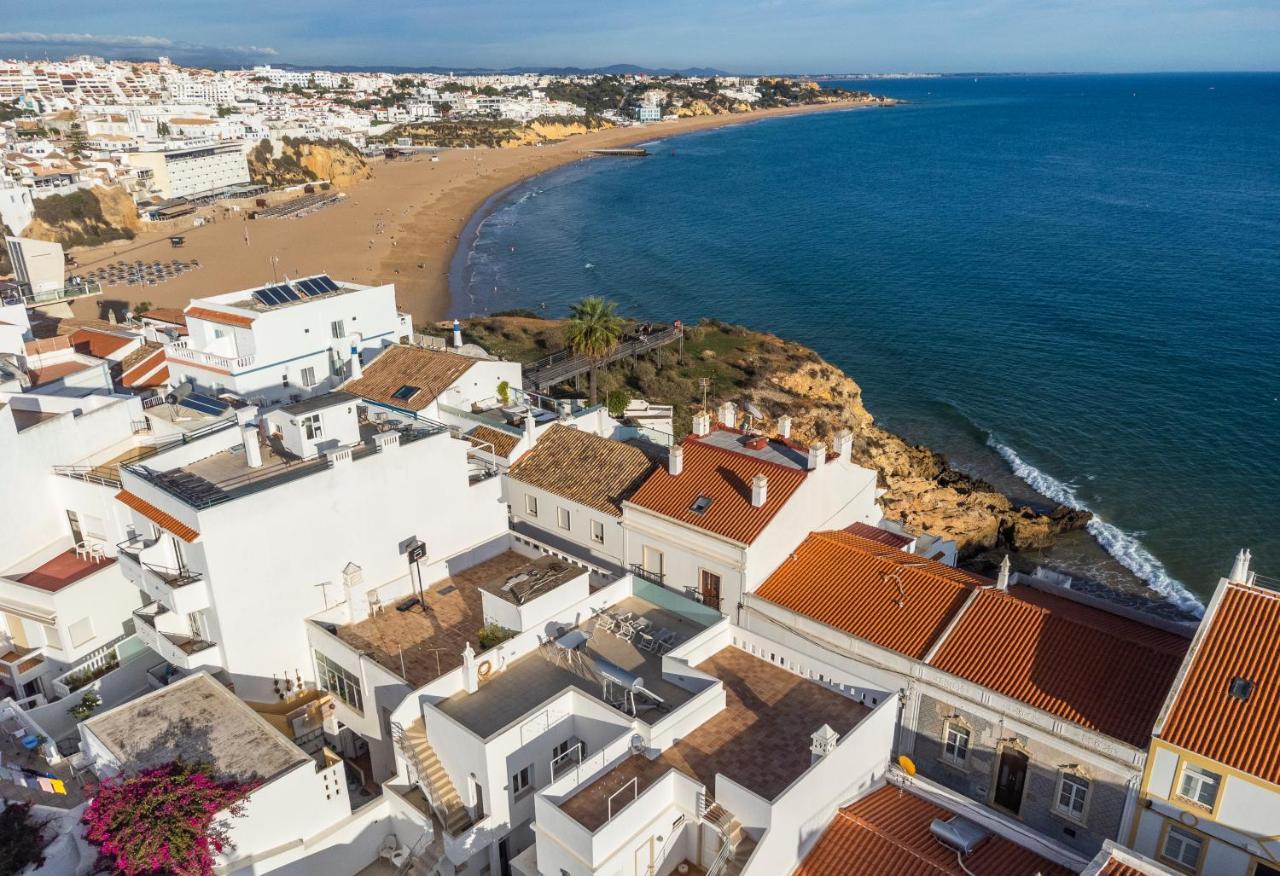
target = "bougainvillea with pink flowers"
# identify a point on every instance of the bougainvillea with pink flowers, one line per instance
(169, 819)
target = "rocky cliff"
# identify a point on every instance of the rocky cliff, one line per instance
(293, 161)
(85, 218)
(922, 490)
(501, 133)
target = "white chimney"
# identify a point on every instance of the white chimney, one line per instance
(252, 451)
(675, 460)
(530, 429)
(357, 370)
(759, 491)
(457, 335)
(1002, 582)
(352, 578)
(784, 425)
(817, 455)
(245, 414)
(822, 743)
(729, 414)
(701, 423)
(470, 677)
(844, 445)
(1240, 568)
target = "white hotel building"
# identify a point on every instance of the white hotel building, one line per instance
(194, 170)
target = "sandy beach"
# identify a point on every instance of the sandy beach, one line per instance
(402, 226)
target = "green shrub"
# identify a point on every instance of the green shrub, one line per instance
(617, 401)
(490, 635)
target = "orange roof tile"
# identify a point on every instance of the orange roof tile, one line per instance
(585, 468)
(1113, 867)
(875, 533)
(887, 831)
(503, 442)
(219, 317)
(99, 344)
(725, 477)
(1098, 670)
(429, 372)
(158, 517)
(1242, 640)
(171, 315)
(878, 593)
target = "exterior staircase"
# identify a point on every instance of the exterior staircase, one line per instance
(737, 845)
(417, 751)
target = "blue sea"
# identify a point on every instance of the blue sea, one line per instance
(1068, 284)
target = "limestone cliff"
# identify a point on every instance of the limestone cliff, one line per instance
(501, 133)
(85, 218)
(293, 161)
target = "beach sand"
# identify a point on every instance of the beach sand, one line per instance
(402, 226)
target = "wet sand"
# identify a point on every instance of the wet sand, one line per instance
(402, 226)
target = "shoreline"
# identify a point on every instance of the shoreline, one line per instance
(403, 226)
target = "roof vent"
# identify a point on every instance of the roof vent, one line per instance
(757, 442)
(700, 505)
(1240, 689)
(960, 834)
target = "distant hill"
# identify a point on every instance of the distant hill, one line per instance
(614, 70)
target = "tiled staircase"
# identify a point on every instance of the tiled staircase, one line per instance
(737, 847)
(413, 744)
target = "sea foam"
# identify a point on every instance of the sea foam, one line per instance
(1123, 546)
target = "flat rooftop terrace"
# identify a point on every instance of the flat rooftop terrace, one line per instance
(537, 677)
(760, 739)
(61, 571)
(430, 637)
(538, 578)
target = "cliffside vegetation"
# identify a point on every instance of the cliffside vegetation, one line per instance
(781, 377)
(494, 132)
(303, 161)
(86, 217)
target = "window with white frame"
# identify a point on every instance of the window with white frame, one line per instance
(521, 780)
(338, 681)
(339, 331)
(597, 531)
(1073, 794)
(955, 743)
(1182, 847)
(531, 505)
(1199, 786)
(311, 427)
(562, 518)
(308, 376)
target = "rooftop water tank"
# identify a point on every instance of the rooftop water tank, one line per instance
(960, 834)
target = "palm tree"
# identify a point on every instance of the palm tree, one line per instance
(593, 331)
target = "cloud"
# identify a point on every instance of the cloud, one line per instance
(124, 42)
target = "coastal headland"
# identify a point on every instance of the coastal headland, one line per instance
(402, 225)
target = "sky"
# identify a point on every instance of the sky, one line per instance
(739, 36)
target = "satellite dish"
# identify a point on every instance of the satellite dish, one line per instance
(753, 411)
(908, 765)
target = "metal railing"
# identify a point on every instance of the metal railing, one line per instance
(181, 351)
(21, 293)
(649, 575)
(564, 365)
(89, 474)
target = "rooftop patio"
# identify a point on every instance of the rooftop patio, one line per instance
(61, 571)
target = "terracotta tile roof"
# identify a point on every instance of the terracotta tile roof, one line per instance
(158, 517)
(875, 533)
(171, 315)
(584, 468)
(503, 442)
(1242, 640)
(852, 584)
(97, 343)
(887, 831)
(219, 317)
(47, 345)
(430, 371)
(1101, 671)
(1113, 867)
(724, 476)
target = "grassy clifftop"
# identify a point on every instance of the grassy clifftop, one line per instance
(86, 217)
(303, 161)
(782, 377)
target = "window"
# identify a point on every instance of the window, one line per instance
(597, 532)
(955, 743)
(563, 748)
(562, 518)
(308, 377)
(339, 682)
(1182, 847)
(520, 781)
(1199, 786)
(701, 505)
(531, 505)
(338, 329)
(1265, 870)
(405, 393)
(311, 427)
(1073, 792)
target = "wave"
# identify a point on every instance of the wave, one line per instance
(1123, 546)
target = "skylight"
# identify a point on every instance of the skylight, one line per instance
(700, 505)
(405, 393)
(1240, 689)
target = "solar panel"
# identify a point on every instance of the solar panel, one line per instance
(260, 297)
(269, 296)
(204, 404)
(327, 284)
(288, 293)
(306, 287)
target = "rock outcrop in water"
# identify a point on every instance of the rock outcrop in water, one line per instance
(922, 490)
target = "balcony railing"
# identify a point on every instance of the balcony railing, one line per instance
(697, 596)
(649, 575)
(22, 293)
(180, 351)
(148, 630)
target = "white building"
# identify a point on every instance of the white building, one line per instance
(193, 171)
(286, 340)
(17, 208)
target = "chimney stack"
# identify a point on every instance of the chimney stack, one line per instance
(470, 675)
(729, 414)
(252, 451)
(844, 445)
(357, 370)
(759, 491)
(457, 335)
(675, 460)
(822, 743)
(1002, 582)
(530, 429)
(817, 455)
(1240, 568)
(701, 423)
(784, 425)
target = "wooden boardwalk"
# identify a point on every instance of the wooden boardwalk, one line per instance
(565, 365)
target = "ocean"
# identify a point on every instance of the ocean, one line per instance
(1068, 284)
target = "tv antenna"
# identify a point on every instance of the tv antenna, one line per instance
(704, 383)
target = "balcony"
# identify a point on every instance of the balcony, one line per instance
(159, 630)
(649, 575)
(180, 352)
(22, 293)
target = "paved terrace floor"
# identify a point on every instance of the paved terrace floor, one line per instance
(451, 618)
(534, 679)
(760, 739)
(64, 569)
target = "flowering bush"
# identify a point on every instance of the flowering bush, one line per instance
(163, 820)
